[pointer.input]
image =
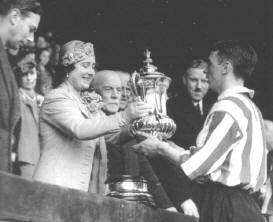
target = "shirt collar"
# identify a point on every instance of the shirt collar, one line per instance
(200, 102)
(236, 90)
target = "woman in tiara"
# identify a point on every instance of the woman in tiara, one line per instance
(72, 135)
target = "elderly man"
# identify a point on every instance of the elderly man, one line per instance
(108, 85)
(112, 86)
(19, 19)
(229, 159)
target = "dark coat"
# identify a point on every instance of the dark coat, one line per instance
(188, 121)
(9, 110)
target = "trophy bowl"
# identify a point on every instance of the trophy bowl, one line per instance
(131, 188)
(160, 126)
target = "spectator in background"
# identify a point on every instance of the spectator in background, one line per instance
(113, 88)
(44, 82)
(19, 19)
(108, 85)
(190, 107)
(55, 54)
(41, 42)
(28, 145)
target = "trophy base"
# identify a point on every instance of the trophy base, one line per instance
(143, 198)
(130, 188)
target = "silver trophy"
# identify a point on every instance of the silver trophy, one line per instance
(151, 87)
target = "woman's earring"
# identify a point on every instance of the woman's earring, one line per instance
(67, 75)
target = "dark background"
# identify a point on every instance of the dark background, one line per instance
(174, 31)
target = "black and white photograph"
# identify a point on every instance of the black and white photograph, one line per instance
(136, 110)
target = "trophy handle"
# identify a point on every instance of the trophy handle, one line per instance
(135, 82)
(161, 86)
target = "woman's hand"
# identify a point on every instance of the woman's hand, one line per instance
(136, 110)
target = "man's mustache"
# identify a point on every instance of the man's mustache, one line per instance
(198, 90)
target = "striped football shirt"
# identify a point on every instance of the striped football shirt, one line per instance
(231, 147)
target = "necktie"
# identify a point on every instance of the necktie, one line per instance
(197, 106)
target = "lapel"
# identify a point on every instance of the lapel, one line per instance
(185, 114)
(32, 108)
(73, 95)
(30, 104)
(186, 105)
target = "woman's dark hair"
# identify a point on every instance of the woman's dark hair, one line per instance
(25, 6)
(23, 69)
(39, 52)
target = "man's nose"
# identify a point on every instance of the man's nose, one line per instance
(114, 94)
(123, 92)
(199, 85)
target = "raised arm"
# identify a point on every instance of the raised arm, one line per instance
(63, 113)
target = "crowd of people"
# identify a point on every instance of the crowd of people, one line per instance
(33, 67)
(75, 131)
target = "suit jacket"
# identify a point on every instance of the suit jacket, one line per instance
(69, 135)
(188, 121)
(9, 110)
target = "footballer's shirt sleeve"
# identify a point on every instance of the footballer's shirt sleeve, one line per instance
(221, 133)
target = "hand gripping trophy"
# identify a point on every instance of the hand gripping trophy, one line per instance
(151, 87)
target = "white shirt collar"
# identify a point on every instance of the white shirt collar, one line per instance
(235, 90)
(200, 102)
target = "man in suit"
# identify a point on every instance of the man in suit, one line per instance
(188, 109)
(19, 19)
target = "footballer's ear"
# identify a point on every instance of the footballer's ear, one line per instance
(14, 16)
(227, 66)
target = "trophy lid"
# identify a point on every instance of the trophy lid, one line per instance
(148, 68)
